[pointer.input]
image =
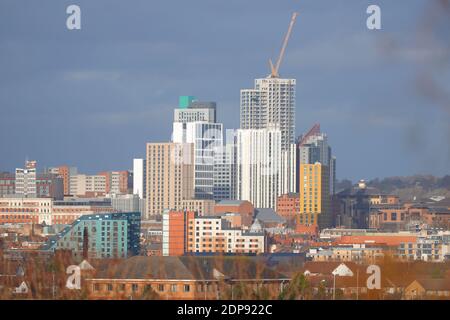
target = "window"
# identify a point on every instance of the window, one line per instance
(96, 287)
(173, 288)
(186, 288)
(121, 287)
(160, 287)
(394, 216)
(110, 287)
(134, 287)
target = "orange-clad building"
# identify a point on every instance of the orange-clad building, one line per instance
(64, 172)
(175, 232)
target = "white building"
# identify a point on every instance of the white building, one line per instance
(259, 166)
(217, 230)
(207, 137)
(139, 177)
(270, 104)
(195, 111)
(288, 169)
(26, 180)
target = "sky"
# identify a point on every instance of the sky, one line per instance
(92, 98)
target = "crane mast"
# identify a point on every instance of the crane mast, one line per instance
(274, 69)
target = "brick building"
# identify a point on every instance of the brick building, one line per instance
(242, 207)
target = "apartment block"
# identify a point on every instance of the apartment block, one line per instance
(259, 166)
(170, 176)
(107, 235)
(314, 195)
(271, 103)
(187, 233)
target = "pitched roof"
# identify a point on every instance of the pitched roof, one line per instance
(267, 215)
(85, 265)
(327, 267)
(188, 268)
(430, 284)
(140, 267)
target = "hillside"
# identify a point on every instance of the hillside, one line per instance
(419, 186)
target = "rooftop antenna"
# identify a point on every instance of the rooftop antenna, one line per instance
(274, 69)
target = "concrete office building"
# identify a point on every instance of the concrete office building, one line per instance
(26, 180)
(169, 177)
(128, 203)
(259, 166)
(116, 182)
(191, 110)
(88, 185)
(65, 172)
(49, 185)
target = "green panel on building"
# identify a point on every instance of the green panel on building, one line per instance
(185, 101)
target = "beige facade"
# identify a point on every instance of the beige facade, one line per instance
(202, 207)
(81, 184)
(170, 176)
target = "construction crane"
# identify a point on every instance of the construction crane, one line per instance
(274, 69)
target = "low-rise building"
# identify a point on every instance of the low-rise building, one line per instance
(187, 278)
(288, 206)
(242, 207)
(185, 232)
(26, 210)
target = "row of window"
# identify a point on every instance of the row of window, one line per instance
(121, 287)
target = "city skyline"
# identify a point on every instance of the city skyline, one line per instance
(105, 108)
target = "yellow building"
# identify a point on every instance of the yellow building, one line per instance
(314, 195)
